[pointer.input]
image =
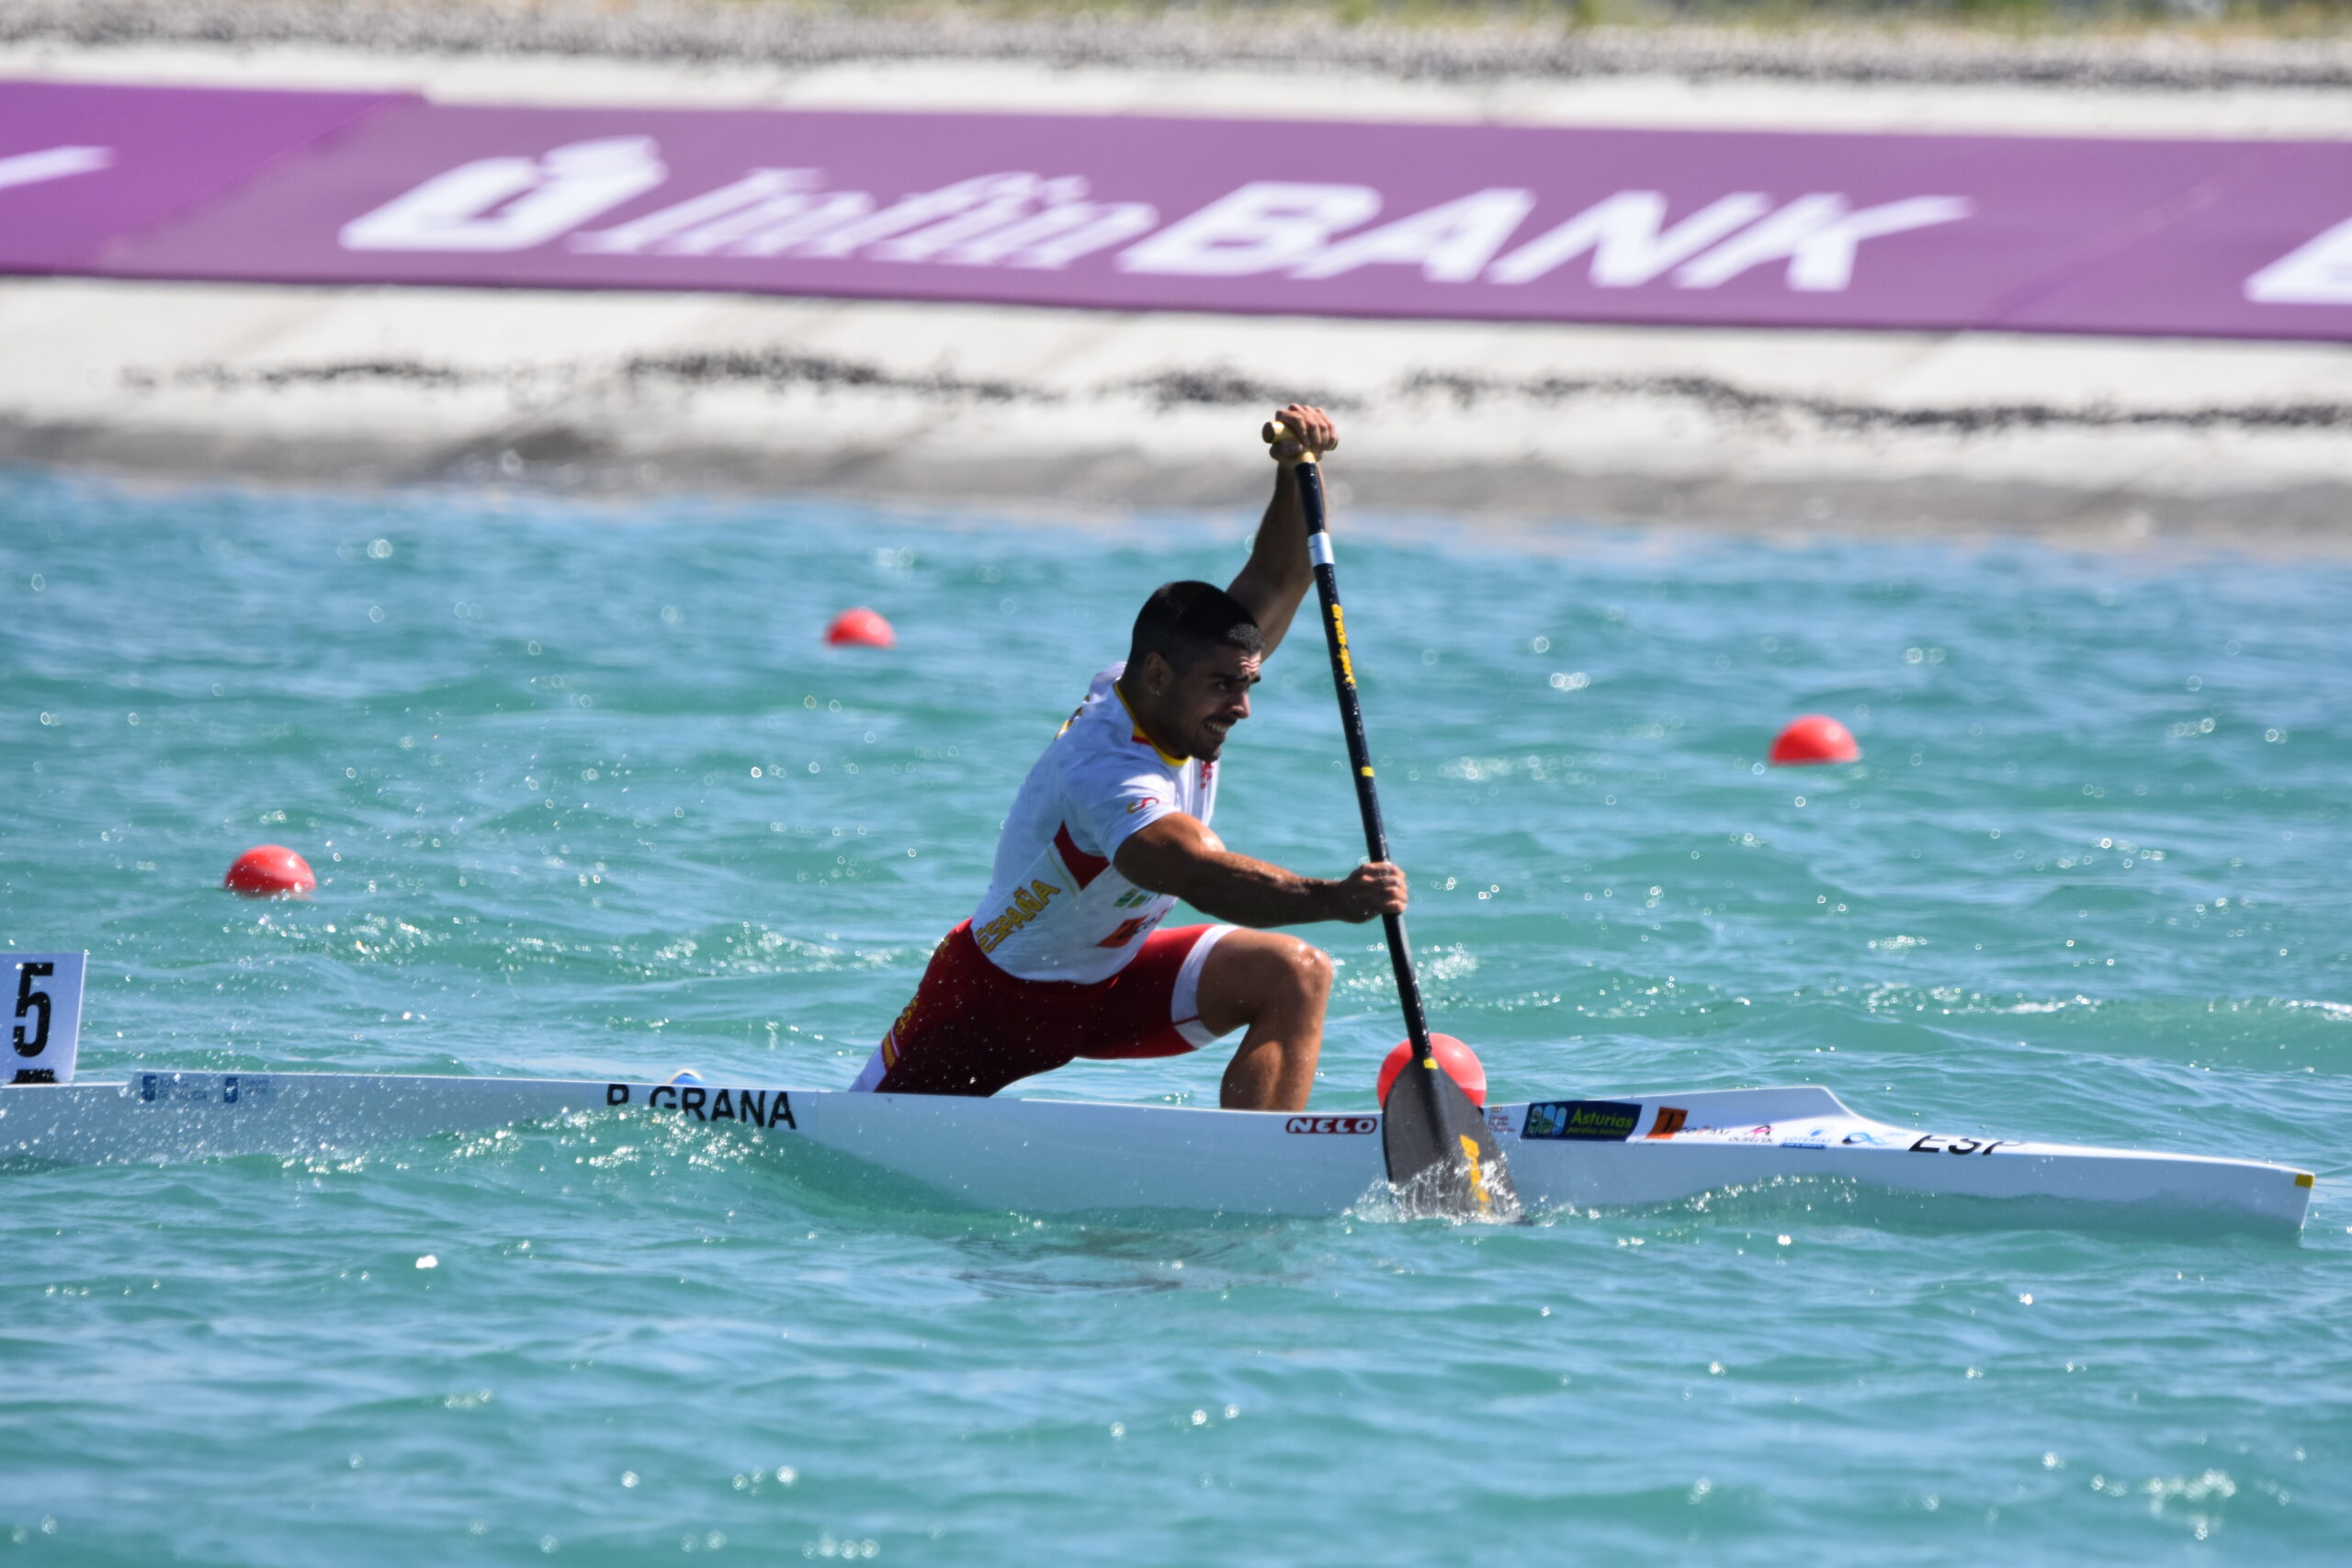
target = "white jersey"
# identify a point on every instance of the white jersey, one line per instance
(1057, 909)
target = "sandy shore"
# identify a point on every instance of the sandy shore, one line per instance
(1495, 45)
(2108, 441)
(2115, 443)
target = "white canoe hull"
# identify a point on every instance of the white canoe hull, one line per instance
(1063, 1157)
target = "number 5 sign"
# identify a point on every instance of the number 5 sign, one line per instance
(41, 1009)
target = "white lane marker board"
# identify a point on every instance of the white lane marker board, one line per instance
(43, 1000)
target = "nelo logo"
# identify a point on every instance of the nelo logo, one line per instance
(1332, 1124)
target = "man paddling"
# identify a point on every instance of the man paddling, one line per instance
(1064, 957)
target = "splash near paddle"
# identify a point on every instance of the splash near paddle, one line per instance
(1441, 1158)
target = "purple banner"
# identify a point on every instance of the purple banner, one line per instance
(81, 166)
(1932, 232)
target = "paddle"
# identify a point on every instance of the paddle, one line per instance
(1441, 1158)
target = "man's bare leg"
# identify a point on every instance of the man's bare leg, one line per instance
(1276, 985)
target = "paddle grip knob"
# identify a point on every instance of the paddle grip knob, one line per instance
(1276, 430)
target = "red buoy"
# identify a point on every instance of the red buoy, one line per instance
(1461, 1065)
(269, 871)
(859, 627)
(1813, 739)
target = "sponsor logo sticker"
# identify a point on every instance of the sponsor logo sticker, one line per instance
(1669, 1121)
(1355, 1124)
(204, 1088)
(1598, 1121)
(1941, 1144)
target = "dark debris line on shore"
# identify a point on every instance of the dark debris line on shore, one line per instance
(1222, 387)
(1482, 49)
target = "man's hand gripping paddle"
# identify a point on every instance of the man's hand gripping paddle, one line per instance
(1441, 1158)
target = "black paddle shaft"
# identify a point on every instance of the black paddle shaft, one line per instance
(1343, 678)
(1436, 1143)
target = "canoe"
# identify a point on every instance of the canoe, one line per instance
(1055, 1156)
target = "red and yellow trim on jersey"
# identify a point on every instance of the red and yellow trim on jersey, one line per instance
(1138, 737)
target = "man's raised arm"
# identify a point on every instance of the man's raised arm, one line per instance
(1278, 574)
(1178, 855)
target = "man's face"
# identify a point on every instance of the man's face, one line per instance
(1196, 710)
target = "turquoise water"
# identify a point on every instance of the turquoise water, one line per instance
(590, 797)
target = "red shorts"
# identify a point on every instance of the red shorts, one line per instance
(972, 1029)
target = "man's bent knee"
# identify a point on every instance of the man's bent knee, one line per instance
(1291, 970)
(1313, 968)
(1263, 974)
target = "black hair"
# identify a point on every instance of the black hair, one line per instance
(1183, 622)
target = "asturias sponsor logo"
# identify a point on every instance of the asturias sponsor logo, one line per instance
(1332, 1124)
(1608, 1121)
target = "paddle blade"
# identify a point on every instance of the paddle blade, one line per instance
(1441, 1158)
